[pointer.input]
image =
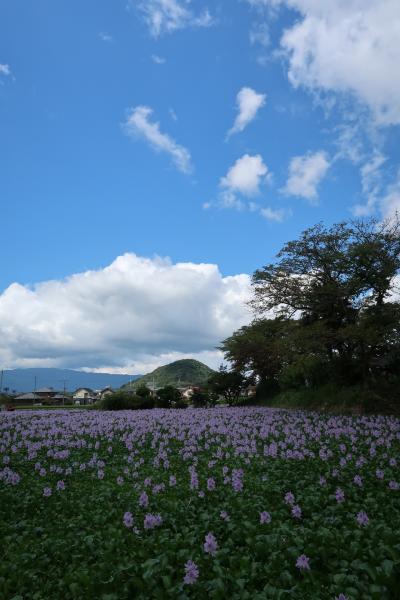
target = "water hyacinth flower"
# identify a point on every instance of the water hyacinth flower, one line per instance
(128, 520)
(296, 511)
(265, 517)
(362, 518)
(60, 485)
(379, 474)
(339, 495)
(224, 515)
(47, 492)
(394, 485)
(322, 481)
(120, 480)
(191, 573)
(172, 480)
(358, 480)
(289, 498)
(143, 500)
(211, 484)
(341, 597)
(302, 562)
(151, 521)
(210, 544)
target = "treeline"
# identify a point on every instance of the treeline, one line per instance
(326, 315)
(166, 397)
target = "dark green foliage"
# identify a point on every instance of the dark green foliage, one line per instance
(126, 401)
(167, 397)
(326, 312)
(200, 399)
(228, 384)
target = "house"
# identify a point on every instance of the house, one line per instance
(188, 391)
(46, 393)
(30, 398)
(84, 395)
(104, 392)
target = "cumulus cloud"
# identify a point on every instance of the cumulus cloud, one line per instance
(167, 16)
(277, 215)
(305, 173)
(248, 103)
(139, 124)
(346, 47)
(135, 312)
(246, 175)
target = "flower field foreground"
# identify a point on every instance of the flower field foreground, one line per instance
(242, 503)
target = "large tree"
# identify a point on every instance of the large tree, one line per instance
(326, 308)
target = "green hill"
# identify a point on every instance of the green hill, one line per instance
(179, 374)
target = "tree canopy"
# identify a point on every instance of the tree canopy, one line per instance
(326, 310)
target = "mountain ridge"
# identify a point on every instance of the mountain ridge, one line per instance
(23, 380)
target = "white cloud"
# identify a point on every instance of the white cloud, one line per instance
(390, 203)
(371, 183)
(259, 34)
(305, 173)
(167, 16)
(158, 60)
(134, 312)
(346, 47)
(277, 215)
(5, 70)
(138, 123)
(246, 175)
(248, 103)
(105, 37)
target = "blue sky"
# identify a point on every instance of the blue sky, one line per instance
(114, 120)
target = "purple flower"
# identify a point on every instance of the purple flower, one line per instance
(210, 544)
(296, 511)
(100, 474)
(120, 480)
(362, 518)
(379, 474)
(289, 498)
(265, 517)
(143, 500)
(322, 481)
(224, 515)
(210, 484)
(60, 485)
(47, 492)
(393, 485)
(191, 573)
(341, 597)
(128, 520)
(358, 481)
(339, 495)
(172, 480)
(151, 521)
(302, 562)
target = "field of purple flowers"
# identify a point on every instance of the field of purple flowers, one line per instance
(240, 503)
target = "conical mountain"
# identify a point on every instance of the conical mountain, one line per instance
(179, 374)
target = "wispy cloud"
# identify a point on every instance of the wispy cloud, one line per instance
(248, 103)
(138, 123)
(105, 37)
(305, 174)
(167, 16)
(158, 60)
(5, 70)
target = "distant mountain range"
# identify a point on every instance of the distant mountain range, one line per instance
(179, 374)
(23, 380)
